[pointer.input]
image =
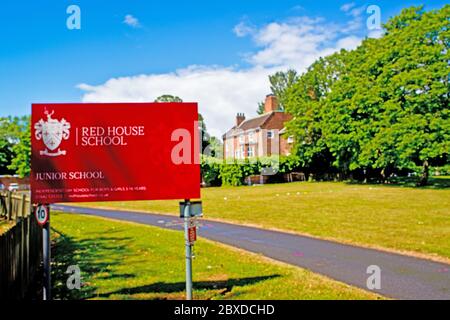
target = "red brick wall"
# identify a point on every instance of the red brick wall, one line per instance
(285, 147)
(275, 122)
(271, 104)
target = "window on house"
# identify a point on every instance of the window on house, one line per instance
(250, 152)
(290, 139)
(242, 138)
(229, 149)
(251, 137)
(270, 134)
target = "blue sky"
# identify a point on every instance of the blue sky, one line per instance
(216, 52)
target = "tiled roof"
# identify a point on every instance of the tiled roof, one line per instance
(255, 122)
(249, 124)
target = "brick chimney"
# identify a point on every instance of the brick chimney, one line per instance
(240, 117)
(271, 104)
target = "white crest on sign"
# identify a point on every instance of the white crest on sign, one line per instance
(52, 132)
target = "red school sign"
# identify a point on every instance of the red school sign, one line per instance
(114, 152)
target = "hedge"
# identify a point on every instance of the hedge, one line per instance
(230, 172)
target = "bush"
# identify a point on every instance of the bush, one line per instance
(232, 174)
(216, 172)
(440, 171)
(289, 164)
(210, 169)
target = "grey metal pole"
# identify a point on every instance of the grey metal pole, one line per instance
(46, 258)
(188, 250)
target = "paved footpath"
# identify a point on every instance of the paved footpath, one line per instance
(402, 277)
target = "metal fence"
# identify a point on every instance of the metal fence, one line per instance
(20, 247)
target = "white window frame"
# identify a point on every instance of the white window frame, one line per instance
(229, 148)
(251, 137)
(290, 139)
(270, 134)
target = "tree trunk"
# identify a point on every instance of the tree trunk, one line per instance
(383, 175)
(425, 175)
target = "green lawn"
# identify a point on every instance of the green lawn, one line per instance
(416, 220)
(129, 261)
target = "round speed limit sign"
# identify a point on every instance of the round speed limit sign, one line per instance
(41, 214)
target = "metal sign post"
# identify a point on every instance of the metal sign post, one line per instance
(187, 218)
(43, 218)
(189, 211)
(47, 258)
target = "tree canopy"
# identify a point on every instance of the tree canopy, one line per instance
(382, 106)
(15, 145)
(279, 83)
(168, 98)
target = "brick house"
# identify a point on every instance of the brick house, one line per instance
(7, 180)
(262, 136)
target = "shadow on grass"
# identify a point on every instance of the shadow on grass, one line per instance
(224, 286)
(98, 257)
(92, 256)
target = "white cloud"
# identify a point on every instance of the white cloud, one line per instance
(131, 21)
(357, 12)
(221, 92)
(377, 33)
(349, 43)
(295, 43)
(224, 91)
(242, 29)
(347, 6)
(298, 42)
(356, 23)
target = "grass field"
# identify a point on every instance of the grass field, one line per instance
(415, 220)
(129, 261)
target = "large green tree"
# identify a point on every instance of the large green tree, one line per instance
(168, 98)
(8, 137)
(15, 145)
(280, 82)
(383, 106)
(306, 101)
(21, 163)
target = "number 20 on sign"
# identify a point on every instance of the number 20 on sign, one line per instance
(41, 214)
